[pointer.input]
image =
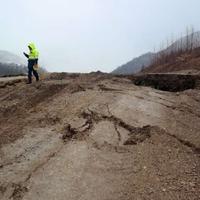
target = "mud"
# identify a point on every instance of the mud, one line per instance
(96, 136)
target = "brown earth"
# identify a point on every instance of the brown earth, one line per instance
(95, 136)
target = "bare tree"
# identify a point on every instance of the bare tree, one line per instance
(174, 47)
(192, 39)
(187, 39)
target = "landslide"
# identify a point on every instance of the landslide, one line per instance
(19, 101)
(97, 136)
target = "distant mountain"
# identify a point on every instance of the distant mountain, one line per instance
(189, 42)
(8, 57)
(11, 64)
(135, 65)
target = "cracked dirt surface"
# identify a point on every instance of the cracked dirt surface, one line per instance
(98, 137)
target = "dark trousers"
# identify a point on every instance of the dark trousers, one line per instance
(32, 71)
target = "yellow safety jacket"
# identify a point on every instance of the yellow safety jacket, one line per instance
(34, 54)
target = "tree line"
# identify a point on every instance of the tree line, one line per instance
(11, 69)
(171, 49)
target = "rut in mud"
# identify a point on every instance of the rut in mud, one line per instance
(94, 136)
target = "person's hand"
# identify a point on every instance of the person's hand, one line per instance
(25, 54)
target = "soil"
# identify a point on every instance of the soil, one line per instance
(96, 136)
(168, 82)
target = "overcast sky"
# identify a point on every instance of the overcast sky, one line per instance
(89, 35)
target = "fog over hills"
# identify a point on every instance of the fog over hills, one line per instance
(135, 65)
(11, 64)
(8, 57)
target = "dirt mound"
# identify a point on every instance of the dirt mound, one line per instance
(11, 81)
(21, 102)
(26, 97)
(61, 76)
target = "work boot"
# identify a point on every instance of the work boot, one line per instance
(29, 81)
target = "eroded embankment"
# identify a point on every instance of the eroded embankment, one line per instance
(168, 82)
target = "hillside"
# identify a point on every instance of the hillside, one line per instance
(135, 65)
(187, 61)
(8, 58)
(184, 45)
(188, 42)
(98, 136)
(11, 64)
(183, 55)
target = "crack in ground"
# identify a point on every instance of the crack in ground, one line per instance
(194, 148)
(43, 163)
(184, 108)
(118, 132)
(137, 134)
(69, 132)
(21, 157)
(18, 192)
(21, 188)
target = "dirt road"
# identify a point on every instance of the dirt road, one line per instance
(94, 136)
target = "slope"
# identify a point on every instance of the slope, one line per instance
(186, 62)
(135, 65)
(95, 136)
(184, 44)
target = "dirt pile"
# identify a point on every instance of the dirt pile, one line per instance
(96, 136)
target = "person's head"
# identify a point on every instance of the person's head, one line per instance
(31, 46)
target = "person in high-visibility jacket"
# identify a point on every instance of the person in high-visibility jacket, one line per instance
(32, 62)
